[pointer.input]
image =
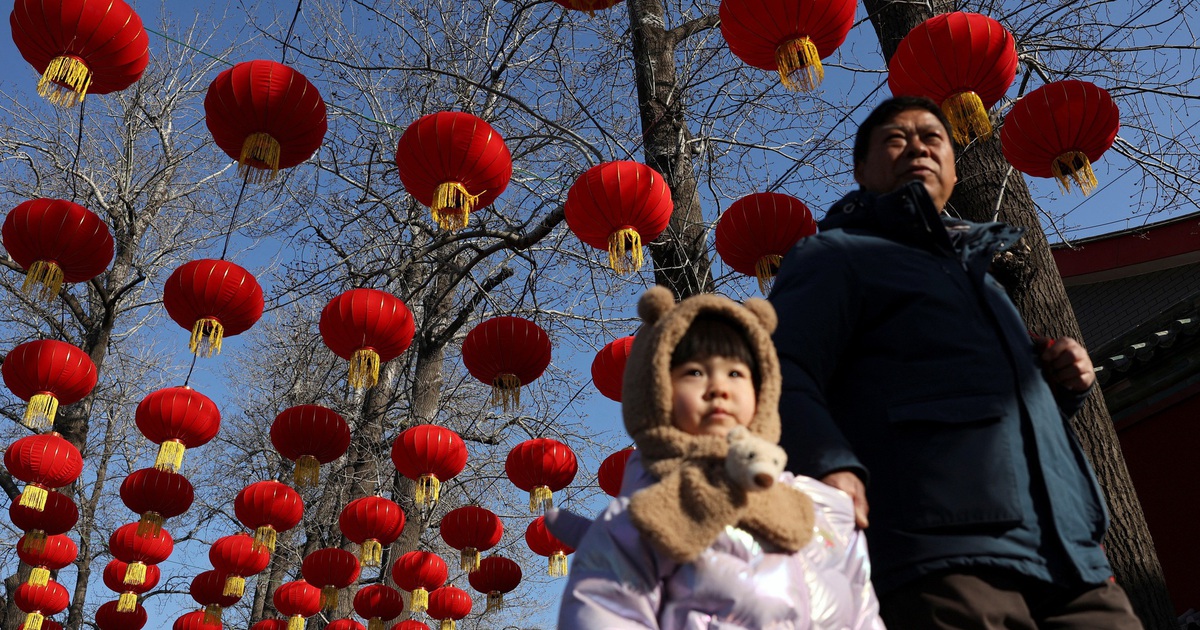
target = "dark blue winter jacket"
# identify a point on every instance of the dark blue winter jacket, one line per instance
(905, 361)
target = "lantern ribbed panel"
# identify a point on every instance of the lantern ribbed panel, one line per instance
(48, 599)
(109, 618)
(236, 555)
(614, 197)
(506, 345)
(449, 602)
(496, 574)
(330, 569)
(268, 503)
(1059, 118)
(62, 232)
(178, 413)
(114, 578)
(127, 546)
(345, 624)
(208, 589)
(270, 624)
(57, 517)
(471, 527)
(195, 621)
(542, 542)
(428, 449)
(310, 430)
(608, 368)
(378, 601)
(755, 29)
(213, 289)
(761, 225)
(152, 490)
(372, 518)
(612, 472)
(541, 462)
(367, 318)
(58, 552)
(46, 460)
(48, 366)
(409, 624)
(298, 598)
(420, 569)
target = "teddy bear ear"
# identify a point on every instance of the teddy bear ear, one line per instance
(654, 303)
(736, 433)
(765, 313)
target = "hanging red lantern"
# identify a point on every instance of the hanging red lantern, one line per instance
(57, 516)
(56, 553)
(409, 624)
(455, 164)
(177, 418)
(429, 454)
(371, 523)
(195, 621)
(110, 617)
(377, 604)
(543, 543)
(56, 241)
(788, 37)
(138, 551)
(268, 507)
(80, 46)
(608, 368)
(215, 299)
(345, 624)
(471, 530)
(39, 602)
(368, 328)
(541, 467)
(266, 116)
(48, 373)
(297, 601)
(419, 572)
(238, 558)
(309, 435)
(755, 233)
(114, 579)
(612, 472)
(495, 577)
(156, 496)
(43, 462)
(506, 353)
(330, 570)
(965, 62)
(208, 589)
(1059, 130)
(47, 624)
(271, 624)
(449, 604)
(616, 206)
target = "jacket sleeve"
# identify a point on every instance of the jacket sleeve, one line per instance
(816, 297)
(858, 572)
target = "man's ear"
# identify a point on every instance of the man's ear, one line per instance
(858, 174)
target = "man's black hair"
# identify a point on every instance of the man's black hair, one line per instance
(884, 113)
(711, 336)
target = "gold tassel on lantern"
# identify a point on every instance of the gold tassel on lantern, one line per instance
(375, 623)
(45, 273)
(263, 149)
(428, 489)
(470, 559)
(968, 117)
(235, 586)
(371, 553)
(452, 204)
(307, 472)
(127, 602)
(1074, 166)
(765, 270)
(495, 601)
(212, 614)
(558, 564)
(40, 576)
(150, 525)
(206, 337)
(264, 537)
(539, 497)
(35, 541)
(447, 624)
(33, 621)
(616, 250)
(296, 623)
(40, 411)
(170, 456)
(364, 368)
(65, 81)
(329, 597)
(800, 68)
(420, 600)
(34, 497)
(506, 391)
(135, 574)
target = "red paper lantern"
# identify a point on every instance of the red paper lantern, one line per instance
(195, 621)
(377, 604)
(330, 570)
(156, 496)
(506, 353)
(214, 299)
(80, 46)
(455, 163)
(268, 507)
(368, 328)
(345, 624)
(965, 62)
(114, 579)
(309, 435)
(541, 467)
(42, 462)
(616, 206)
(754, 234)
(419, 572)
(266, 116)
(56, 553)
(429, 454)
(138, 551)
(48, 373)
(543, 543)
(449, 604)
(238, 558)
(110, 617)
(1059, 130)
(57, 516)
(612, 472)
(39, 602)
(208, 589)
(56, 241)
(47, 624)
(297, 601)
(608, 368)
(372, 523)
(271, 624)
(495, 577)
(789, 37)
(177, 418)
(409, 624)
(471, 530)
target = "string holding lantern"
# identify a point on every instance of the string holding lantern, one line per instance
(429, 454)
(237, 557)
(56, 553)
(378, 603)
(195, 621)
(39, 602)
(297, 601)
(43, 462)
(371, 523)
(48, 373)
(139, 551)
(496, 576)
(266, 116)
(114, 579)
(788, 37)
(543, 543)
(612, 472)
(208, 589)
(177, 418)
(506, 353)
(214, 299)
(455, 164)
(471, 530)
(608, 368)
(268, 508)
(309, 435)
(541, 467)
(110, 617)
(156, 496)
(330, 570)
(368, 328)
(56, 241)
(615, 207)
(419, 573)
(1059, 130)
(756, 231)
(964, 62)
(57, 516)
(448, 604)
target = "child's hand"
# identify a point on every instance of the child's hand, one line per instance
(849, 483)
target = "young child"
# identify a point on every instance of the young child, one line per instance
(686, 546)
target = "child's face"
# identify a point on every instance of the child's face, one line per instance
(712, 395)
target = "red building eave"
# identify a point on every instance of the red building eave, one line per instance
(1130, 252)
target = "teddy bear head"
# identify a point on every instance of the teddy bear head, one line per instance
(752, 462)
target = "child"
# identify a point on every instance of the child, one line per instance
(685, 546)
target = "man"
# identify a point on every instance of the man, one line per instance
(911, 383)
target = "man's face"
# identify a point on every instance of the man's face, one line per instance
(912, 146)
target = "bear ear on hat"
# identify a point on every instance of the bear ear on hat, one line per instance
(654, 303)
(765, 313)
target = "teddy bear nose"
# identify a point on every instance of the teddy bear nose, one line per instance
(763, 480)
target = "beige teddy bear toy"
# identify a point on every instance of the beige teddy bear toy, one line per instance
(753, 463)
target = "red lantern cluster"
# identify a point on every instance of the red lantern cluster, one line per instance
(139, 551)
(616, 206)
(543, 543)
(608, 368)
(755, 233)
(449, 604)
(156, 496)
(368, 328)
(541, 467)
(310, 435)
(48, 373)
(372, 523)
(114, 579)
(471, 530)
(495, 577)
(56, 241)
(177, 418)
(237, 557)
(378, 603)
(268, 507)
(612, 472)
(419, 572)
(789, 37)
(506, 353)
(214, 299)
(43, 462)
(429, 454)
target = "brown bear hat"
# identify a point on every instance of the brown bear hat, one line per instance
(694, 498)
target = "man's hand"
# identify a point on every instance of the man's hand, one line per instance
(1068, 365)
(849, 483)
